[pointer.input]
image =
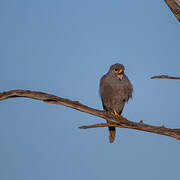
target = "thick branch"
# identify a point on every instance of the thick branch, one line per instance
(164, 77)
(174, 5)
(113, 121)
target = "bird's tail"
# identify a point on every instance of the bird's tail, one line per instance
(112, 134)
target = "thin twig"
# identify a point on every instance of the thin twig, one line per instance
(164, 77)
(113, 121)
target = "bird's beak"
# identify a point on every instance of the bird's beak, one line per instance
(120, 71)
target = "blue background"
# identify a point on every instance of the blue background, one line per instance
(63, 47)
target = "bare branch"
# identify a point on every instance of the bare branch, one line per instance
(164, 77)
(113, 121)
(97, 125)
(174, 5)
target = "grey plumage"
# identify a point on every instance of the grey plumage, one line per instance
(115, 91)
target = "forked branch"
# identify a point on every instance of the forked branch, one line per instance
(113, 121)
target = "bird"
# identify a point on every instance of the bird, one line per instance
(115, 90)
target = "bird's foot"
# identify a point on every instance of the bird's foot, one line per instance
(116, 114)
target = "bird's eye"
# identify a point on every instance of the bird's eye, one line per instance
(116, 70)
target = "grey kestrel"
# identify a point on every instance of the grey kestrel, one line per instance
(115, 91)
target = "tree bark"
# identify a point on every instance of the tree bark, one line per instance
(113, 120)
(174, 5)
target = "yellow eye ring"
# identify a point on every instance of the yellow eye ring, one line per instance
(118, 71)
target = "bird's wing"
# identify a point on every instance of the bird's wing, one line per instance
(105, 90)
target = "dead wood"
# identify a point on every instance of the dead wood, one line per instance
(164, 77)
(113, 120)
(174, 5)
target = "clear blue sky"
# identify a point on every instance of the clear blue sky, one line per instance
(63, 47)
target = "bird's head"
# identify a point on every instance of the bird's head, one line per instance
(117, 70)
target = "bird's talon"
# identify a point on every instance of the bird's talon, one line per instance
(116, 114)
